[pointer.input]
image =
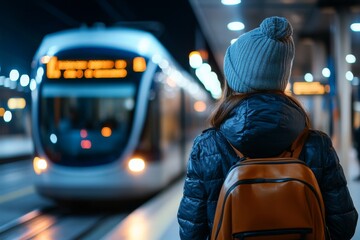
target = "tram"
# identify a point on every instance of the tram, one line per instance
(113, 114)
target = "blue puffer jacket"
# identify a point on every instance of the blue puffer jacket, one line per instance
(262, 125)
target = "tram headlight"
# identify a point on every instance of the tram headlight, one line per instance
(136, 165)
(40, 165)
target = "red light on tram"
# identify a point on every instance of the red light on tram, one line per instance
(83, 133)
(85, 144)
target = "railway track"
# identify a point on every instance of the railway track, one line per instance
(55, 223)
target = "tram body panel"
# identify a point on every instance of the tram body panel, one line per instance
(115, 182)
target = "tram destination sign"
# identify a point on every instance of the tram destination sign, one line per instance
(91, 68)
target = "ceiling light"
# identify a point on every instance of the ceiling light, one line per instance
(230, 2)
(24, 80)
(326, 72)
(308, 77)
(14, 75)
(195, 59)
(236, 26)
(350, 58)
(355, 27)
(349, 75)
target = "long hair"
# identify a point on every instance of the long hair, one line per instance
(230, 99)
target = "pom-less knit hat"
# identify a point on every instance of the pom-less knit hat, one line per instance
(261, 59)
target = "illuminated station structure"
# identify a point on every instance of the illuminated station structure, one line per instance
(15, 105)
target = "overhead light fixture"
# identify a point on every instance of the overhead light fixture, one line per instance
(309, 77)
(14, 75)
(195, 59)
(326, 72)
(355, 27)
(230, 2)
(236, 26)
(349, 75)
(350, 58)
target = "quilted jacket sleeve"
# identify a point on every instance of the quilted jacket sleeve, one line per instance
(192, 215)
(341, 215)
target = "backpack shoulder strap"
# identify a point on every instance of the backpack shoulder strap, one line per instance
(225, 141)
(297, 145)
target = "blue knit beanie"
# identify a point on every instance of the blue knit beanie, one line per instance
(261, 59)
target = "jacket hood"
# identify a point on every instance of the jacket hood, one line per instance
(263, 125)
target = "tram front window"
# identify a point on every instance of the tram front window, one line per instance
(86, 125)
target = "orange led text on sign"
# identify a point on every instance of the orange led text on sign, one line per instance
(91, 68)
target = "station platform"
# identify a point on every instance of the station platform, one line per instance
(156, 219)
(15, 147)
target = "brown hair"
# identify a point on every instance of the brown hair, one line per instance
(230, 99)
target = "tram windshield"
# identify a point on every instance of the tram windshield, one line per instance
(86, 124)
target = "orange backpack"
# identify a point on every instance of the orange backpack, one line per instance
(271, 198)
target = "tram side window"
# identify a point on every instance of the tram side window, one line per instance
(170, 122)
(149, 141)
